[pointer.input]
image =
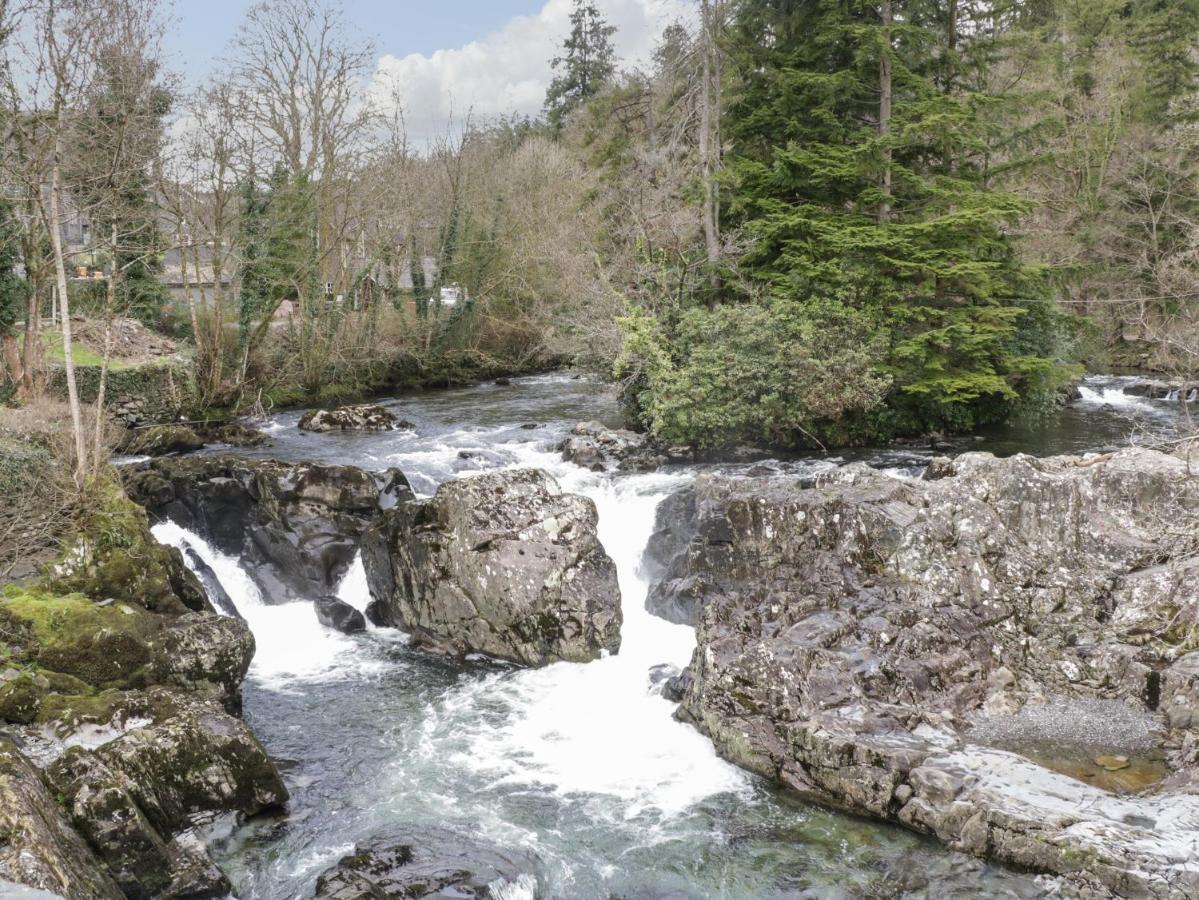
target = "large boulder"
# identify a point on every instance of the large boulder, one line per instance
(159, 440)
(432, 863)
(502, 563)
(295, 525)
(362, 417)
(854, 637)
(1161, 390)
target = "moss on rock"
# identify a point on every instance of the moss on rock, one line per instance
(113, 555)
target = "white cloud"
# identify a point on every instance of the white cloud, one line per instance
(508, 71)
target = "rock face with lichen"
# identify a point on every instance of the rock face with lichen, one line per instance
(122, 687)
(39, 848)
(503, 563)
(853, 633)
(362, 417)
(296, 525)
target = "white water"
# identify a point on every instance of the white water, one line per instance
(1109, 391)
(576, 729)
(292, 647)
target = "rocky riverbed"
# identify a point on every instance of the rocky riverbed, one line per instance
(469, 652)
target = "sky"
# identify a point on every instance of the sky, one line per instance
(446, 57)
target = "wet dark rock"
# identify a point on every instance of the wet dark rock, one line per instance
(215, 591)
(432, 863)
(1161, 390)
(675, 689)
(335, 613)
(375, 614)
(38, 846)
(361, 417)
(660, 675)
(596, 447)
(295, 525)
(938, 467)
(502, 563)
(503, 382)
(850, 632)
(235, 434)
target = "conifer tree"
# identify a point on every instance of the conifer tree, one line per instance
(587, 63)
(884, 210)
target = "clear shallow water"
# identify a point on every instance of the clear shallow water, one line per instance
(581, 764)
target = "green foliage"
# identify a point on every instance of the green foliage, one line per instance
(114, 146)
(896, 228)
(587, 63)
(1166, 32)
(785, 374)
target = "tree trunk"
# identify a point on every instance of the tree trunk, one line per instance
(12, 359)
(711, 237)
(109, 305)
(884, 112)
(54, 226)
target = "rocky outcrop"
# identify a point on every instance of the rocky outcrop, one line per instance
(502, 563)
(433, 863)
(160, 440)
(1162, 390)
(599, 448)
(38, 846)
(339, 615)
(133, 795)
(124, 695)
(363, 417)
(295, 525)
(853, 633)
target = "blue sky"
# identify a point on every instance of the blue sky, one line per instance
(397, 27)
(442, 58)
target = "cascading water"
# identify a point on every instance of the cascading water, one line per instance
(581, 764)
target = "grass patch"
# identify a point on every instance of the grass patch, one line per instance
(83, 355)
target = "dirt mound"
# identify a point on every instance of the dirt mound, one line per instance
(131, 340)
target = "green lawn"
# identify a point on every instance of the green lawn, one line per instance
(84, 356)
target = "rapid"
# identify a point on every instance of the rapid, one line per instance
(581, 764)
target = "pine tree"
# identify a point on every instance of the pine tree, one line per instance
(858, 170)
(587, 63)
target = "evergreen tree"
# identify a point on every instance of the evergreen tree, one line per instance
(115, 145)
(859, 176)
(587, 63)
(1166, 32)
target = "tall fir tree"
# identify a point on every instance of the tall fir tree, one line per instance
(587, 63)
(859, 175)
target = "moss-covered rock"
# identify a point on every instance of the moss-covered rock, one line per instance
(113, 645)
(21, 698)
(113, 555)
(38, 846)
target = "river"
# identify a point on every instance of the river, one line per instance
(583, 765)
